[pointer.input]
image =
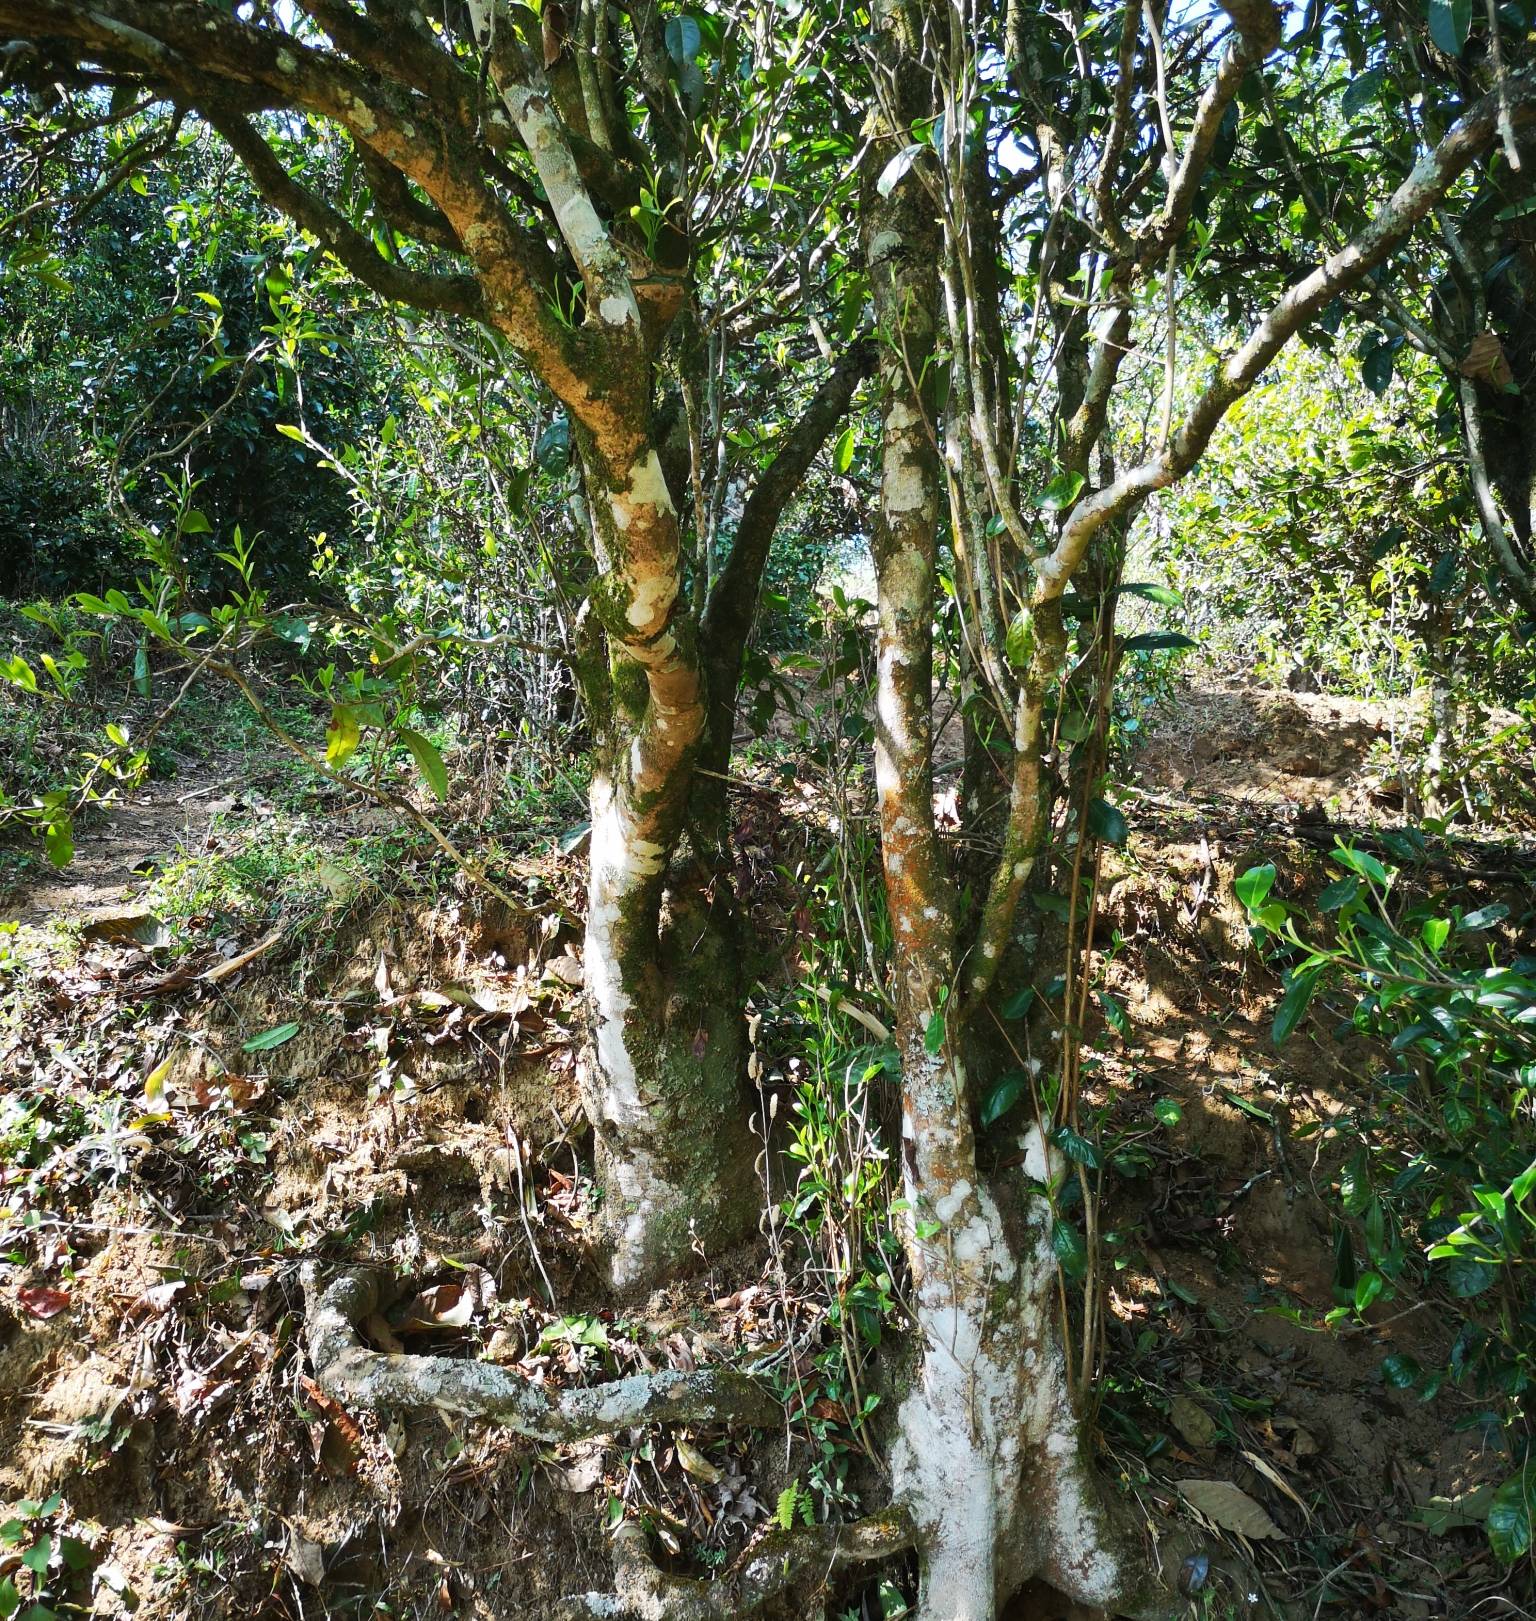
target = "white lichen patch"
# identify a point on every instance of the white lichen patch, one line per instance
(648, 484)
(949, 1206)
(1043, 1161)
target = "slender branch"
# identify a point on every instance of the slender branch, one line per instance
(732, 603)
(1258, 33)
(1425, 187)
(1517, 571)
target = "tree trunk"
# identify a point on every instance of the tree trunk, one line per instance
(989, 1462)
(664, 1079)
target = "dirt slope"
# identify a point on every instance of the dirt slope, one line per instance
(164, 1172)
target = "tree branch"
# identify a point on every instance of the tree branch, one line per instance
(458, 295)
(1430, 180)
(732, 604)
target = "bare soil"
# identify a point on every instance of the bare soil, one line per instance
(424, 1117)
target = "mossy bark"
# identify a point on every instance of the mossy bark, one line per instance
(664, 1081)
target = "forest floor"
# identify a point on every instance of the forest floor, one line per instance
(252, 1026)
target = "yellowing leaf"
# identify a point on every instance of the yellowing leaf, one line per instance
(154, 1085)
(696, 1463)
(341, 736)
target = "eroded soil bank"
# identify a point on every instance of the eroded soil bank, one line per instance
(173, 1150)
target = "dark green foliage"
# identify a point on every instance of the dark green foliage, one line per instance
(1440, 1192)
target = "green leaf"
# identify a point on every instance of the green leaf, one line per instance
(19, 671)
(843, 456)
(1484, 917)
(1376, 367)
(1338, 894)
(1401, 1371)
(1434, 931)
(1253, 886)
(552, 451)
(37, 1556)
(1362, 862)
(1157, 641)
(1020, 1003)
(1510, 1515)
(195, 522)
(933, 1034)
(428, 761)
(683, 39)
(1061, 492)
(1294, 1004)
(1168, 1110)
(1363, 90)
(1465, 1277)
(1449, 23)
(1106, 822)
(341, 736)
(268, 1039)
(1115, 1016)
(143, 683)
(77, 1555)
(1071, 1252)
(1003, 1096)
(59, 840)
(10, 1598)
(1019, 644)
(1367, 1287)
(1164, 594)
(1076, 1147)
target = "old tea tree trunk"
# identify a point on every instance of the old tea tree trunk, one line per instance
(992, 1462)
(507, 178)
(989, 1461)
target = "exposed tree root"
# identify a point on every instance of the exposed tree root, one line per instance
(985, 1507)
(359, 1377)
(773, 1567)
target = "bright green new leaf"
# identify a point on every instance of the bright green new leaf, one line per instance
(1019, 644)
(1253, 886)
(1060, 493)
